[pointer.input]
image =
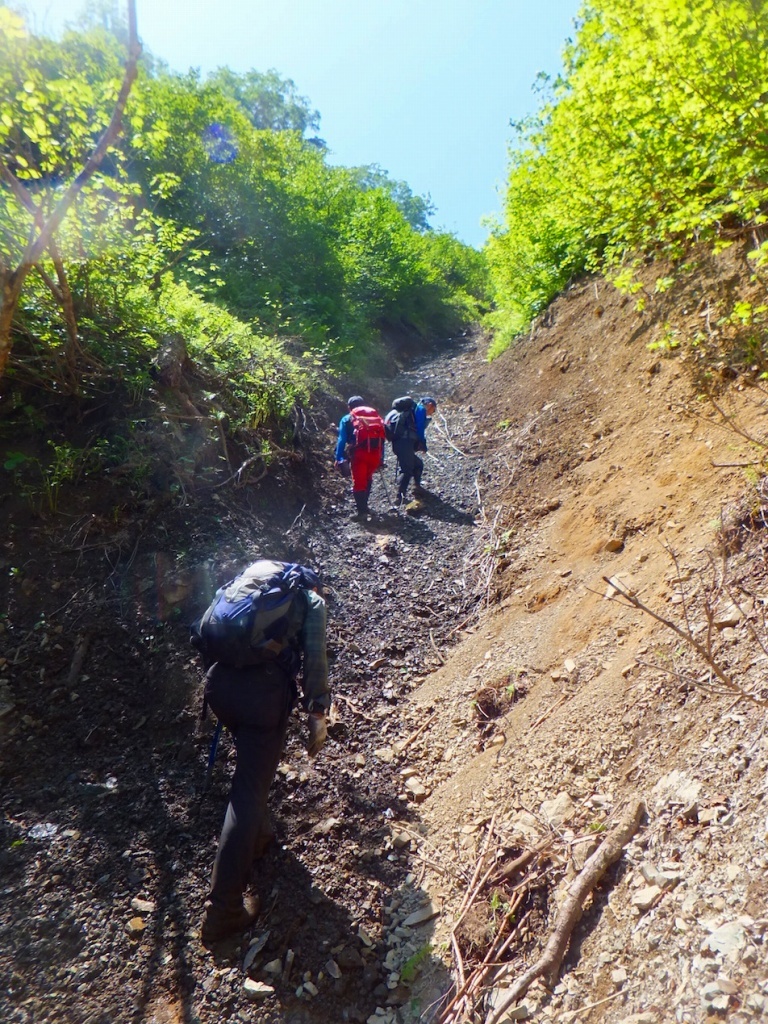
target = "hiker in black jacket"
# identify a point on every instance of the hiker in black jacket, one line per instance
(254, 702)
(408, 428)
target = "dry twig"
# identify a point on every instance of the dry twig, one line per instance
(547, 966)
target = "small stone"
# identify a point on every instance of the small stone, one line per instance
(709, 815)
(619, 976)
(728, 615)
(559, 810)
(311, 988)
(713, 998)
(333, 969)
(135, 927)
(646, 898)
(274, 966)
(726, 939)
(416, 790)
(257, 989)
(142, 906)
(426, 913)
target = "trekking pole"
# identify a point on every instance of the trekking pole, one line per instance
(384, 484)
(211, 757)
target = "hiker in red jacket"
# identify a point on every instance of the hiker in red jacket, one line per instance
(360, 448)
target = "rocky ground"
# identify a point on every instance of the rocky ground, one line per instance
(496, 702)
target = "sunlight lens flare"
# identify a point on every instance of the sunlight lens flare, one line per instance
(220, 144)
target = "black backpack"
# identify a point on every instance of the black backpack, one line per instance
(400, 418)
(247, 621)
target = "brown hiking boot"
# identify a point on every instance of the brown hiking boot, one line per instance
(219, 922)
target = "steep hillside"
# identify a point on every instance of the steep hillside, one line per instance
(497, 712)
(604, 460)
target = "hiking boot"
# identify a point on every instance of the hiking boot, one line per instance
(219, 922)
(361, 504)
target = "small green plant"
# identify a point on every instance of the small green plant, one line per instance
(597, 826)
(413, 964)
(668, 341)
(14, 461)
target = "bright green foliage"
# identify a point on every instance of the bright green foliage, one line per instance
(212, 216)
(268, 100)
(655, 135)
(416, 209)
(296, 245)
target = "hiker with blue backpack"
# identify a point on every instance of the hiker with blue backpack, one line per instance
(258, 633)
(360, 450)
(406, 427)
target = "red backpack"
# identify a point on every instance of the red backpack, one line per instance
(368, 427)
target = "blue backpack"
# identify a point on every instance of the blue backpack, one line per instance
(247, 621)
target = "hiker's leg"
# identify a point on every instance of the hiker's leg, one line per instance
(405, 456)
(418, 469)
(264, 702)
(360, 480)
(372, 463)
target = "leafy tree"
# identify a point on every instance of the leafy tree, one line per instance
(655, 136)
(49, 152)
(416, 209)
(268, 100)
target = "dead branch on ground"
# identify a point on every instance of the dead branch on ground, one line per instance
(547, 967)
(705, 648)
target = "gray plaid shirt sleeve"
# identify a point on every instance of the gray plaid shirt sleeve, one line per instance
(315, 673)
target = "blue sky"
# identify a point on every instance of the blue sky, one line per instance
(423, 88)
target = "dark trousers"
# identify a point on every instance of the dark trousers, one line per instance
(408, 463)
(254, 703)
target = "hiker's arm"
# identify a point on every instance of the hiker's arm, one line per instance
(315, 674)
(343, 439)
(420, 419)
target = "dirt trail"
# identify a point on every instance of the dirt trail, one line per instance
(107, 818)
(580, 455)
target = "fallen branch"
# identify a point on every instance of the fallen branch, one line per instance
(77, 660)
(434, 645)
(400, 747)
(448, 439)
(705, 653)
(522, 861)
(548, 965)
(355, 709)
(545, 716)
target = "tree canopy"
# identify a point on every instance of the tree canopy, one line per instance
(653, 136)
(217, 189)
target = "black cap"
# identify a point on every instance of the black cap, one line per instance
(354, 401)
